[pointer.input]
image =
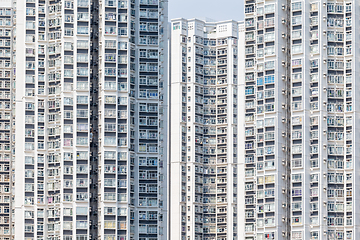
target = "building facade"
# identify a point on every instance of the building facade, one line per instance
(300, 120)
(91, 109)
(265, 139)
(7, 73)
(204, 130)
(323, 120)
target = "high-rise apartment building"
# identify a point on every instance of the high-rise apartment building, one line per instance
(91, 117)
(263, 122)
(6, 122)
(265, 114)
(300, 120)
(204, 130)
(324, 120)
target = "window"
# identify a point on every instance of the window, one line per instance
(83, 3)
(81, 224)
(269, 79)
(82, 57)
(82, 155)
(296, 20)
(296, 235)
(110, 99)
(296, 192)
(68, 211)
(270, 8)
(109, 196)
(82, 211)
(81, 71)
(269, 50)
(81, 196)
(109, 210)
(83, 16)
(297, 48)
(249, 90)
(110, 3)
(29, 228)
(112, 17)
(82, 141)
(123, 31)
(110, 30)
(82, 99)
(110, 141)
(81, 237)
(296, 6)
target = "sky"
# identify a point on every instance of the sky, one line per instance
(214, 9)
